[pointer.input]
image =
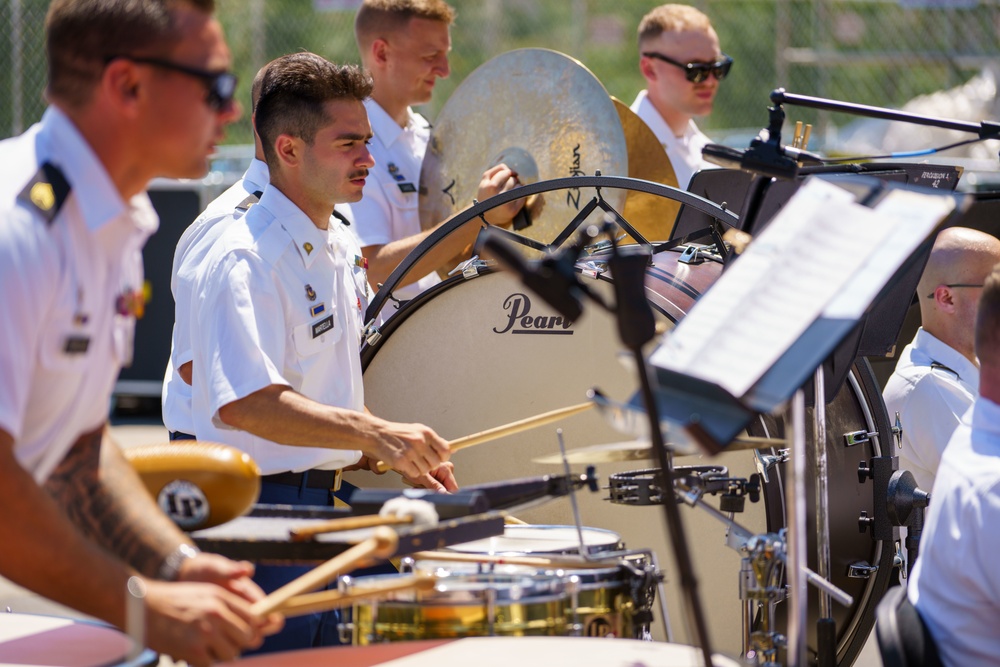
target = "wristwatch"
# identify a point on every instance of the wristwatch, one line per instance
(171, 567)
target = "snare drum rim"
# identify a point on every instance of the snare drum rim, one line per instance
(571, 549)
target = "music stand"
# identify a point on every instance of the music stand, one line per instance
(801, 288)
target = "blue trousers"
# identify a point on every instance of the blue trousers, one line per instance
(301, 631)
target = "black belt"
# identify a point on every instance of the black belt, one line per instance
(313, 479)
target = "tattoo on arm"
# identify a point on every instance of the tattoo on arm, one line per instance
(103, 496)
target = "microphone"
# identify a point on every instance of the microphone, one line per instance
(765, 155)
(553, 278)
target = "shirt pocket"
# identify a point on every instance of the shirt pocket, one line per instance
(317, 335)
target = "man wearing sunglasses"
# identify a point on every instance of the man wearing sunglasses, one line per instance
(136, 90)
(680, 59)
(937, 375)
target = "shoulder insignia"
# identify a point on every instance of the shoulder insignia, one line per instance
(249, 201)
(340, 216)
(936, 366)
(46, 192)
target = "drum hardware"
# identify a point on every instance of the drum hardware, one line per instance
(906, 504)
(859, 437)
(645, 487)
(472, 267)
(508, 429)
(897, 432)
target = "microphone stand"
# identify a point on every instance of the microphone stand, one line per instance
(555, 280)
(636, 327)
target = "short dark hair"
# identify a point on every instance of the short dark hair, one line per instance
(293, 94)
(378, 17)
(82, 35)
(988, 320)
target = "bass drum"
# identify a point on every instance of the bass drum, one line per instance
(474, 353)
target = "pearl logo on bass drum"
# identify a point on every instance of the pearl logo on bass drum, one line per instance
(517, 310)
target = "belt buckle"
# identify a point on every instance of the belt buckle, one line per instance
(338, 478)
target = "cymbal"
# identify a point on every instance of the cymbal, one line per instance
(540, 112)
(651, 215)
(642, 450)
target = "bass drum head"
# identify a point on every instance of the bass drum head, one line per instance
(472, 354)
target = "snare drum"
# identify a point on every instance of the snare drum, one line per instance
(602, 602)
(30, 639)
(463, 605)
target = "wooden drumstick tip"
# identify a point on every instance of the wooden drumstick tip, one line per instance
(425, 581)
(386, 542)
(381, 467)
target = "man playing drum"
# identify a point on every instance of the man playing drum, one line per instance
(136, 90)
(935, 380)
(278, 304)
(404, 44)
(680, 59)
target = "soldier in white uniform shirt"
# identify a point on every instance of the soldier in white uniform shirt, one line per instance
(404, 44)
(680, 59)
(955, 584)
(279, 302)
(136, 91)
(937, 375)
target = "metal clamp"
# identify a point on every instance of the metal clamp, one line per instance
(859, 437)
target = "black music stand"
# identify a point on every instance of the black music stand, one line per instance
(726, 361)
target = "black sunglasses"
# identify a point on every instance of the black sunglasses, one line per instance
(221, 86)
(697, 72)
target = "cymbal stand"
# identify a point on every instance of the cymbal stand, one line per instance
(572, 497)
(826, 627)
(795, 503)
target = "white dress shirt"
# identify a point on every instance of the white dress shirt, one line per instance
(278, 302)
(932, 387)
(684, 151)
(68, 291)
(389, 208)
(956, 582)
(192, 248)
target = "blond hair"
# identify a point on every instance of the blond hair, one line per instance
(672, 18)
(378, 18)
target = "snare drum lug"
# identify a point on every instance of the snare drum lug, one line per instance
(897, 432)
(864, 521)
(691, 255)
(861, 570)
(371, 334)
(859, 437)
(346, 632)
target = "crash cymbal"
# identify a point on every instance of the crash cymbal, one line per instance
(642, 450)
(652, 216)
(540, 112)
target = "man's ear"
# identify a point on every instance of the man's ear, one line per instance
(944, 299)
(289, 150)
(380, 51)
(647, 69)
(121, 84)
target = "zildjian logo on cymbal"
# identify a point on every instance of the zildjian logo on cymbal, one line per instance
(573, 194)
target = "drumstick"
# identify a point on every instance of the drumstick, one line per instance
(567, 563)
(381, 544)
(327, 600)
(508, 429)
(346, 523)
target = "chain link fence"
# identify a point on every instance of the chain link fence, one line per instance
(877, 52)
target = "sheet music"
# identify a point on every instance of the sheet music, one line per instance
(822, 254)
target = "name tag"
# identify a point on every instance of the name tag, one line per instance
(76, 344)
(321, 327)
(407, 187)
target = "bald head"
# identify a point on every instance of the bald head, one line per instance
(950, 286)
